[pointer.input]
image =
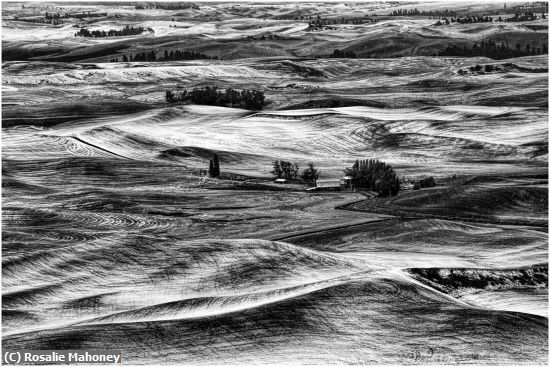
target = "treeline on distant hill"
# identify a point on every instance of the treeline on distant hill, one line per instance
(372, 174)
(488, 19)
(473, 19)
(57, 17)
(541, 6)
(263, 37)
(499, 68)
(167, 6)
(168, 56)
(452, 16)
(76, 15)
(430, 13)
(248, 99)
(319, 23)
(332, 20)
(336, 20)
(126, 31)
(493, 50)
(524, 17)
(343, 54)
(39, 20)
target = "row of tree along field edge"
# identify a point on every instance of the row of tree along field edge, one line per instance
(247, 99)
(288, 170)
(172, 55)
(126, 31)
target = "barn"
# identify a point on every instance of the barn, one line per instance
(332, 184)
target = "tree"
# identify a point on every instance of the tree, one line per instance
(310, 174)
(170, 96)
(212, 96)
(427, 182)
(214, 168)
(216, 165)
(211, 169)
(277, 171)
(295, 170)
(286, 167)
(374, 175)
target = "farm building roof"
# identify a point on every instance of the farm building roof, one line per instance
(335, 182)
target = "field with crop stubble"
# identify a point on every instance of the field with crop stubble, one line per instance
(113, 238)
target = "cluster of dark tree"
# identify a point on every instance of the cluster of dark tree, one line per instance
(319, 23)
(423, 13)
(342, 20)
(472, 19)
(446, 21)
(372, 174)
(141, 56)
(358, 20)
(283, 169)
(57, 17)
(424, 183)
(167, 6)
(263, 37)
(493, 50)
(480, 69)
(76, 15)
(249, 99)
(343, 54)
(86, 15)
(540, 6)
(126, 31)
(310, 174)
(168, 56)
(214, 168)
(524, 17)
(39, 20)
(186, 55)
(488, 19)
(498, 68)
(288, 170)
(467, 20)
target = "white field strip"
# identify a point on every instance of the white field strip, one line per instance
(294, 134)
(533, 301)
(136, 75)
